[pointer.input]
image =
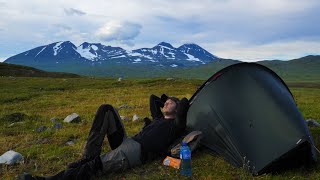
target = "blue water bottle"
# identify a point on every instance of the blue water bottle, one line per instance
(185, 156)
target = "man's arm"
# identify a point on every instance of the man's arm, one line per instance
(155, 104)
(181, 116)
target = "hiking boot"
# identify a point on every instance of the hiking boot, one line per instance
(85, 171)
(27, 176)
(80, 162)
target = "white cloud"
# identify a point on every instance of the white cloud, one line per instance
(2, 59)
(252, 24)
(2, 5)
(61, 31)
(72, 11)
(118, 31)
(275, 50)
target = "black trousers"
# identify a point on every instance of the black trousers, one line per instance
(125, 151)
(106, 122)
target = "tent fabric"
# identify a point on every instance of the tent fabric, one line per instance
(248, 115)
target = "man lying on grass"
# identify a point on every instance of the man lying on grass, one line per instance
(153, 140)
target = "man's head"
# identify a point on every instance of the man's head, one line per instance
(170, 107)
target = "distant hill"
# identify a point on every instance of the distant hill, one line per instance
(25, 71)
(305, 68)
(302, 69)
(201, 71)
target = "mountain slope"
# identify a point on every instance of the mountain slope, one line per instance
(197, 52)
(59, 54)
(99, 52)
(305, 68)
(25, 71)
(162, 60)
(55, 53)
(302, 69)
(165, 54)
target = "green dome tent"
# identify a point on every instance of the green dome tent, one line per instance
(248, 115)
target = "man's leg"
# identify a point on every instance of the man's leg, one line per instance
(126, 156)
(106, 122)
(82, 172)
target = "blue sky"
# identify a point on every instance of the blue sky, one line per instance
(247, 30)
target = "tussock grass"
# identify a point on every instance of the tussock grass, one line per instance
(39, 99)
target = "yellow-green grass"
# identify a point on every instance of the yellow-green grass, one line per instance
(45, 153)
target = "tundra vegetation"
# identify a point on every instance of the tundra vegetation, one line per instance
(27, 103)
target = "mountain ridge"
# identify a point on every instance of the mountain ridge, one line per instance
(65, 52)
(304, 69)
(162, 60)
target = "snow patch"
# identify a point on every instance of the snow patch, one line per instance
(174, 65)
(172, 55)
(162, 50)
(85, 52)
(165, 47)
(192, 58)
(134, 54)
(94, 47)
(140, 55)
(137, 60)
(56, 48)
(40, 51)
(164, 54)
(118, 56)
(154, 51)
(148, 57)
(187, 50)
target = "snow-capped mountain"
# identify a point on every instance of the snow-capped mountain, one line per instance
(163, 54)
(196, 53)
(60, 52)
(98, 52)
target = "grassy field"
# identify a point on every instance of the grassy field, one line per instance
(45, 153)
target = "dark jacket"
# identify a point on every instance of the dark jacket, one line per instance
(156, 137)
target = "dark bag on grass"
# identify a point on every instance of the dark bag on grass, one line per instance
(193, 140)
